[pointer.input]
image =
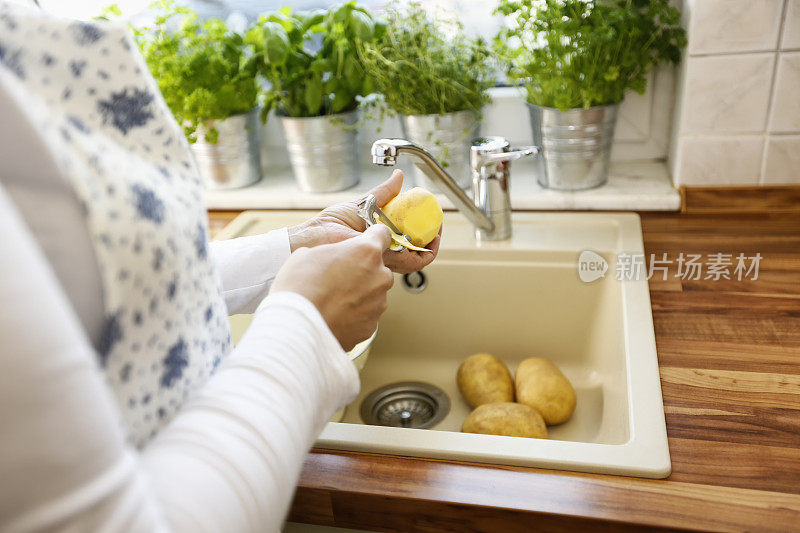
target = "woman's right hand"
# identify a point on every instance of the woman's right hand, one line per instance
(346, 281)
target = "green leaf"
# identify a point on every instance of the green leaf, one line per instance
(339, 14)
(342, 100)
(275, 43)
(612, 73)
(361, 25)
(353, 75)
(313, 95)
(109, 12)
(313, 19)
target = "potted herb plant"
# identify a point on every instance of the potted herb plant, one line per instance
(208, 80)
(577, 59)
(315, 77)
(436, 82)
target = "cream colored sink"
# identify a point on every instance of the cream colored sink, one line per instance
(517, 299)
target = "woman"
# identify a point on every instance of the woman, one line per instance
(123, 405)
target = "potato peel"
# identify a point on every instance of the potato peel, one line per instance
(402, 241)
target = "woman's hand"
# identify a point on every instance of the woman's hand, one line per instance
(341, 221)
(346, 281)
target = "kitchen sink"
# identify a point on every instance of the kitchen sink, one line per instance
(516, 299)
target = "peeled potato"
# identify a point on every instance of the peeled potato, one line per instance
(506, 418)
(541, 385)
(483, 378)
(416, 213)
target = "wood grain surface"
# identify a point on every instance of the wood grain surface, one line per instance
(729, 356)
(743, 199)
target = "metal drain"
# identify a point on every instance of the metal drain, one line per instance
(415, 282)
(407, 404)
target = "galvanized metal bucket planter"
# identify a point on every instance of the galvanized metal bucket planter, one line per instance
(234, 160)
(323, 151)
(448, 138)
(576, 145)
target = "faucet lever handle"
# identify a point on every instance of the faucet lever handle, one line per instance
(488, 151)
(512, 155)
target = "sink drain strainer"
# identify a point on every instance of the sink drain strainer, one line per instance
(408, 404)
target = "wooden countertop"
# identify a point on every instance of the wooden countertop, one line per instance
(729, 357)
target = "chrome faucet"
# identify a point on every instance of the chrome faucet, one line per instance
(490, 207)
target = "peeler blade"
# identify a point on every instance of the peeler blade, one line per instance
(368, 209)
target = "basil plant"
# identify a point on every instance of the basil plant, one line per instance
(310, 59)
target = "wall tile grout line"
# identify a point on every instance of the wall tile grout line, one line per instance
(782, 27)
(790, 133)
(770, 103)
(773, 89)
(745, 52)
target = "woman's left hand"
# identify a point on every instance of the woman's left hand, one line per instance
(341, 221)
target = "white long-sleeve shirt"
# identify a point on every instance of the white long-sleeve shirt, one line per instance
(229, 459)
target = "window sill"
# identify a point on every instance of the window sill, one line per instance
(632, 186)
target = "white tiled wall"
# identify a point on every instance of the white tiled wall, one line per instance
(724, 26)
(782, 159)
(785, 116)
(791, 25)
(737, 118)
(727, 93)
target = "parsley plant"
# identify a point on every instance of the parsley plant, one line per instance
(204, 70)
(583, 53)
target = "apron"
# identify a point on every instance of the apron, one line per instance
(90, 96)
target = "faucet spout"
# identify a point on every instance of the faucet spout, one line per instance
(385, 152)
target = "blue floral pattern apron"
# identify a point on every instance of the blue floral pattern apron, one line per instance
(89, 94)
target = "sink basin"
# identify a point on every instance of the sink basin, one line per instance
(517, 299)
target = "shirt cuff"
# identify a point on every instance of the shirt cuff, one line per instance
(248, 265)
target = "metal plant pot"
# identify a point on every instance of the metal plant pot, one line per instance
(234, 160)
(448, 138)
(323, 151)
(576, 145)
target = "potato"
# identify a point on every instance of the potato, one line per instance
(416, 213)
(483, 378)
(506, 418)
(541, 385)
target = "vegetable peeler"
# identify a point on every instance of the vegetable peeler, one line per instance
(369, 211)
